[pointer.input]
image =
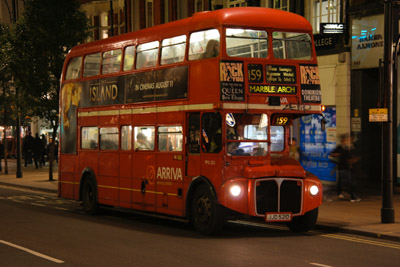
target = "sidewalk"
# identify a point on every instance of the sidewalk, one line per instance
(339, 215)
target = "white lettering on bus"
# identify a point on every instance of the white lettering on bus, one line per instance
(169, 173)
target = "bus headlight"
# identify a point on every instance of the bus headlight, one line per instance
(235, 190)
(314, 190)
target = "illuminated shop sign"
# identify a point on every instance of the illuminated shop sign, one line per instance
(367, 38)
(332, 28)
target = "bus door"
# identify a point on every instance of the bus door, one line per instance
(193, 145)
(144, 168)
(170, 169)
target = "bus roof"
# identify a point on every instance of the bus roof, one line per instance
(252, 17)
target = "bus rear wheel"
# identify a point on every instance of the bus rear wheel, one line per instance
(207, 215)
(89, 196)
(304, 223)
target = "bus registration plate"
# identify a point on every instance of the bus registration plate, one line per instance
(278, 217)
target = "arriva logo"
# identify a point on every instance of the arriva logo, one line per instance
(169, 173)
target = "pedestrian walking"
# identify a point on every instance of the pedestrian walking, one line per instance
(27, 148)
(43, 149)
(37, 151)
(1, 154)
(345, 157)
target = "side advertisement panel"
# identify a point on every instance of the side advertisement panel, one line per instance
(164, 84)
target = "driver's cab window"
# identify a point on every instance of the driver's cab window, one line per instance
(246, 134)
(277, 138)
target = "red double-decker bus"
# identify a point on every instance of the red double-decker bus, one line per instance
(191, 119)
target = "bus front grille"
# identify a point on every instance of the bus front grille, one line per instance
(278, 195)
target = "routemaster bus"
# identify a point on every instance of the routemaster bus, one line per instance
(191, 119)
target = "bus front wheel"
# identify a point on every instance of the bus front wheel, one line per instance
(305, 222)
(207, 215)
(89, 196)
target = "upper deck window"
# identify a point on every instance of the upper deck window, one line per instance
(204, 44)
(91, 65)
(147, 55)
(111, 62)
(74, 68)
(173, 50)
(290, 45)
(246, 43)
(129, 58)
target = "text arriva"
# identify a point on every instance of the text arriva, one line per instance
(169, 173)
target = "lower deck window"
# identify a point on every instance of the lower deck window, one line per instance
(109, 138)
(89, 137)
(170, 138)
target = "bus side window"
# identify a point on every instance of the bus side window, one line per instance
(129, 58)
(89, 137)
(144, 138)
(126, 137)
(91, 65)
(194, 133)
(109, 138)
(173, 50)
(111, 62)
(74, 68)
(211, 135)
(200, 40)
(170, 138)
(147, 55)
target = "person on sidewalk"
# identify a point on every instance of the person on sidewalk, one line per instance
(43, 149)
(1, 153)
(345, 157)
(37, 151)
(27, 148)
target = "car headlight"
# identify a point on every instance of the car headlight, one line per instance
(314, 190)
(235, 190)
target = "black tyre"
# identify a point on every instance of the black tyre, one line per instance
(89, 196)
(304, 223)
(207, 215)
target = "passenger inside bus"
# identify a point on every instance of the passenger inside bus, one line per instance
(212, 49)
(142, 143)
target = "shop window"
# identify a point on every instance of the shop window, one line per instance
(109, 138)
(170, 138)
(237, 3)
(149, 13)
(324, 11)
(279, 4)
(89, 137)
